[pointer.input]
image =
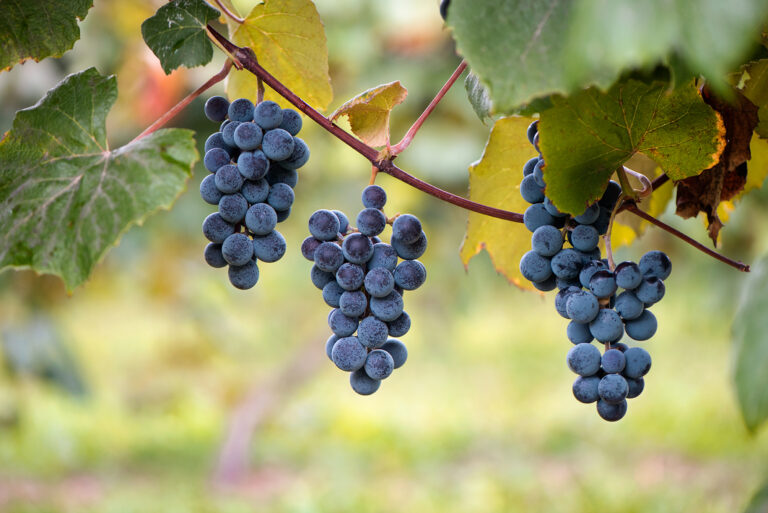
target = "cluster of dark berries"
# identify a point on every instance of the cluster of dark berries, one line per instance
(565, 255)
(253, 159)
(364, 282)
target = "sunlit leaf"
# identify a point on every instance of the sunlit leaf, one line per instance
(65, 196)
(495, 181)
(368, 112)
(289, 41)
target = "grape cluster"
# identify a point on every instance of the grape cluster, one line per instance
(363, 282)
(253, 160)
(565, 255)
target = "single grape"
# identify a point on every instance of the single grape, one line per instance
(613, 388)
(357, 248)
(216, 108)
(291, 122)
(397, 351)
(602, 284)
(656, 264)
(564, 284)
(547, 241)
(379, 282)
(261, 219)
(245, 276)
(387, 308)
(329, 345)
(298, 157)
(406, 228)
(552, 209)
(536, 216)
(561, 299)
(350, 276)
(216, 140)
(531, 191)
(253, 165)
(228, 133)
(529, 165)
(319, 277)
(585, 389)
(208, 190)
(582, 306)
(410, 251)
(328, 257)
(603, 221)
(278, 174)
(237, 249)
(538, 173)
(585, 237)
(628, 275)
(362, 383)
(375, 197)
(444, 4)
(535, 267)
(399, 326)
(651, 290)
(410, 274)
(280, 197)
(371, 221)
(332, 294)
(277, 144)
(642, 328)
(611, 412)
(567, 264)
(588, 256)
(589, 216)
(379, 364)
(606, 326)
(579, 333)
(270, 247)
(241, 110)
(228, 179)
(636, 387)
(255, 191)
(213, 256)
(613, 361)
(384, 256)
(217, 229)
(533, 129)
(628, 306)
(372, 332)
(342, 325)
(343, 222)
(353, 304)
(348, 354)
(584, 359)
(589, 269)
(215, 158)
(611, 195)
(233, 207)
(268, 115)
(247, 136)
(546, 285)
(324, 225)
(638, 362)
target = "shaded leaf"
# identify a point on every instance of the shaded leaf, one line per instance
(587, 136)
(65, 197)
(39, 29)
(368, 112)
(724, 180)
(495, 181)
(289, 41)
(478, 97)
(176, 34)
(752, 82)
(750, 347)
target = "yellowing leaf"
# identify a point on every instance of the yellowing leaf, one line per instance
(368, 112)
(757, 165)
(289, 41)
(494, 181)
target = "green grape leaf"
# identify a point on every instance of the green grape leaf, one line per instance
(176, 34)
(368, 112)
(65, 197)
(759, 501)
(495, 181)
(478, 97)
(752, 82)
(750, 347)
(584, 138)
(289, 40)
(39, 29)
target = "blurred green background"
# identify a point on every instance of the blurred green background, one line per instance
(159, 387)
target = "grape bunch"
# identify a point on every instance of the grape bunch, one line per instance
(565, 255)
(363, 282)
(253, 160)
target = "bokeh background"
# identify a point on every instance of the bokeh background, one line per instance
(158, 387)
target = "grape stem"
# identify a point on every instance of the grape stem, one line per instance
(607, 237)
(408, 137)
(165, 118)
(644, 181)
(247, 58)
(230, 14)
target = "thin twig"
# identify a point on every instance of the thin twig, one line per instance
(233, 16)
(644, 181)
(408, 137)
(659, 181)
(165, 118)
(259, 90)
(247, 58)
(677, 233)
